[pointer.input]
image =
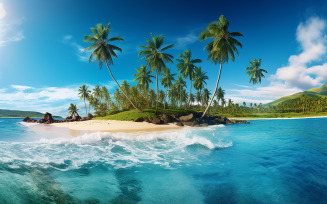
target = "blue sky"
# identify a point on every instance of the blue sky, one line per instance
(41, 64)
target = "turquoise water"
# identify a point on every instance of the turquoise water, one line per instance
(268, 161)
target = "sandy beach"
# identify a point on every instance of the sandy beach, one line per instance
(114, 126)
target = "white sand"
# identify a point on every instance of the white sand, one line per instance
(114, 126)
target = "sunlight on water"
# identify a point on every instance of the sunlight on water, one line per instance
(269, 161)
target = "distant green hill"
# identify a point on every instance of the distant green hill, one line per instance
(21, 114)
(315, 92)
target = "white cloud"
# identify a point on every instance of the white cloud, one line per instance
(299, 74)
(312, 39)
(21, 88)
(8, 33)
(183, 42)
(3, 12)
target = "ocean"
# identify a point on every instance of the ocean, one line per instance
(267, 161)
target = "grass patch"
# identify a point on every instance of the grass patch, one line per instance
(147, 113)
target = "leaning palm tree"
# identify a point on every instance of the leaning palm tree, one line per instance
(255, 72)
(167, 81)
(200, 78)
(221, 48)
(84, 94)
(73, 110)
(143, 77)
(220, 94)
(180, 84)
(187, 68)
(155, 57)
(103, 52)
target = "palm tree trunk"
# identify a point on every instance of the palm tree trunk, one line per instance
(157, 91)
(85, 107)
(166, 98)
(180, 97)
(146, 96)
(189, 98)
(213, 95)
(122, 90)
(201, 96)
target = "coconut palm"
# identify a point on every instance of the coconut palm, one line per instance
(200, 78)
(105, 95)
(155, 57)
(143, 77)
(254, 72)
(187, 68)
(206, 95)
(102, 51)
(223, 46)
(97, 92)
(167, 81)
(84, 93)
(198, 97)
(220, 94)
(180, 84)
(73, 110)
(152, 96)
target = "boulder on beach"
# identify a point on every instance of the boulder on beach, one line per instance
(89, 116)
(157, 121)
(140, 119)
(187, 117)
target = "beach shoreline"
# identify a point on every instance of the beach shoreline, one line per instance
(240, 118)
(115, 126)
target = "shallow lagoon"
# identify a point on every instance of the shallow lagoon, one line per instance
(268, 161)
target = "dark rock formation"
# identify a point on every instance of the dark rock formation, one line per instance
(48, 118)
(89, 116)
(179, 123)
(140, 119)
(187, 117)
(157, 121)
(76, 118)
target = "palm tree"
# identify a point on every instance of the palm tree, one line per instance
(198, 97)
(152, 95)
(187, 68)
(206, 95)
(220, 94)
(155, 57)
(180, 84)
(97, 92)
(244, 104)
(103, 51)
(167, 81)
(200, 78)
(84, 93)
(221, 48)
(255, 72)
(143, 77)
(105, 95)
(73, 110)
(223, 102)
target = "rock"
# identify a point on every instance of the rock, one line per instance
(48, 117)
(89, 116)
(140, 119)
(179, 123)
(77, 118)
(27, 119)
(189, 123)
(147, 120)
(229, 122)
(204, 124)
(187, 117)
(166, 118)
(84, 119)
(157, 121)
(69, 118)
(42, 121)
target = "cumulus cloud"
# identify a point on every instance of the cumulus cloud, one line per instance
(305, 70)
(298, 73)
(8, 31)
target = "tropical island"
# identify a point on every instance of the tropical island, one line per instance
(141, 103)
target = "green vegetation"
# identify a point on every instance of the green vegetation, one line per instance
(21, 114)
(314, 93)
(133, 114)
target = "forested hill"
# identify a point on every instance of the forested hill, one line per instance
(315, 92)
(21, 114)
